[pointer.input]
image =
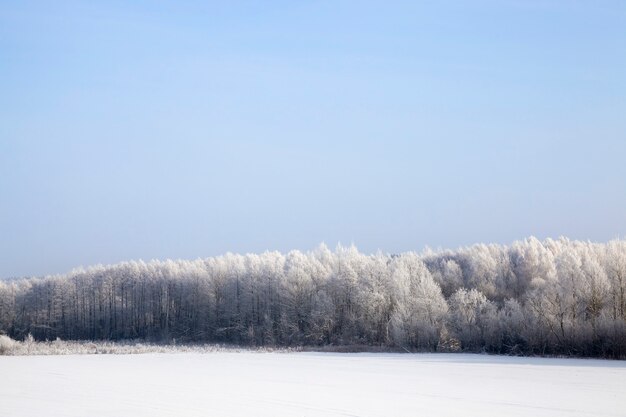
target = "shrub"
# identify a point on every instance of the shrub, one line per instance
(6, 345)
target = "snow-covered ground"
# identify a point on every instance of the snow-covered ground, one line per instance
(309, 384)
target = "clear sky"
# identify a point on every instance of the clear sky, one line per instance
(153, 129)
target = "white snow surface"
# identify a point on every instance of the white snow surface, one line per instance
(309, 384)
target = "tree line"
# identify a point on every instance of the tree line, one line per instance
(551, 297)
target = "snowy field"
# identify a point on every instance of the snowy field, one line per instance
(309, 384)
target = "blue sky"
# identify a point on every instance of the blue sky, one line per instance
(188, 129)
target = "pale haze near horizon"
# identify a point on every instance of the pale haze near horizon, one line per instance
(158, 130)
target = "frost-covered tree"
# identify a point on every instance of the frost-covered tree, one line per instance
(420, 308)
(615, 267)
(473, 319)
